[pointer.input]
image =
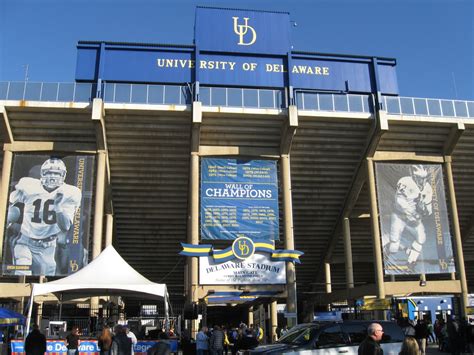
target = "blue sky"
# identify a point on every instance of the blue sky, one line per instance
(432, 40)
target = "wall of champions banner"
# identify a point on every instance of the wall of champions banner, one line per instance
(239, 198)
(48, 219)
(414, 219)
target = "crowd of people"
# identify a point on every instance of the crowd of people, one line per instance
(453, 335)
(219, 340)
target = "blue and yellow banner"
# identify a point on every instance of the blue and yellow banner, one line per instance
(241, 248)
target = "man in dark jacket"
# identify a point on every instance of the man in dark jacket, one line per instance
(370, 345)
(35, 343)
(421, 334)
(216, 342)
(121, 343)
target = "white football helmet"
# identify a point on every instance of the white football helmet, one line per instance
(419, 174)
(53, 173)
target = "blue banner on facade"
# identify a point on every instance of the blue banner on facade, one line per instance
(239, 198)
(242, 31)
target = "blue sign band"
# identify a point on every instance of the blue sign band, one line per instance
(221, 256)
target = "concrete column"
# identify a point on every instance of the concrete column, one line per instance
(348, 253)
(273, 321)
(5, 183)
(291, 302)
(457, 235)
(99, 205)
(374, 216)
(109, 229)
(327, 276)
(39, 314)
(98, 218)
(193, 211)
(250, 316)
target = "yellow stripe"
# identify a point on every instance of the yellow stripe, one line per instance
(264, 245)
(197, 250)
(285, 255)
(225, 255)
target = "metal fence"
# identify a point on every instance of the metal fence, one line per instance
(147, 94)
(429, 107)
(40, 91)
(313, 101)
(231, 97)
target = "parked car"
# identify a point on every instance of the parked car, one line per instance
(332, 338)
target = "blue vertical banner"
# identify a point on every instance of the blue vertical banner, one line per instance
(239, 198)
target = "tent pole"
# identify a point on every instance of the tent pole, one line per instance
(30, 310)
(167, 316)
(60, 305)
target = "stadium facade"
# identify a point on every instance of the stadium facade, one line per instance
(338, 151)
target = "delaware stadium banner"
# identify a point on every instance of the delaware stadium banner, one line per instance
(414, 219)
(257, 269)
(48, 219)
(239, 198)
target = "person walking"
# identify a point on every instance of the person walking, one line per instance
(105, 341)
(370, 345)
(121, 343)
(35, 342)
(202, 342)
(410, 347)
(72, 341)
(421, 335)
(216, 343)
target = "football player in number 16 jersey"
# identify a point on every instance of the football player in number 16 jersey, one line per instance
(49, 208)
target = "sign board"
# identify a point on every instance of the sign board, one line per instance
(242, 31)
(258, 269)
(239, 198)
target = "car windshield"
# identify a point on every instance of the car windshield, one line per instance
(299, 335)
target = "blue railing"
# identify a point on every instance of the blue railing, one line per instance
(232, 97)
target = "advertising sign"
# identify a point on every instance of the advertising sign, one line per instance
(414, 219)
(239, 198)
(157, 64)
(242, 31)
(48, 219)
(257, 269)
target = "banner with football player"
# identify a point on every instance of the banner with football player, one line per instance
(239, 198)
(414, 219)
(48, 219)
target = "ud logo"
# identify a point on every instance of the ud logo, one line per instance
(73, 265)
(243, 30)
(243, 248)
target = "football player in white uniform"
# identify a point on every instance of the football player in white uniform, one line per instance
(413, 201)
(49, 208)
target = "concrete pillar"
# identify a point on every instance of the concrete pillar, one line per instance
(250, 316)
(109, 229)
(327, 276)
(348, 253)
(291, 302)
(99, 205)
(457, 236)
(193, 211)
(98, 218)
(273, 321)
(374, 216)
(5, 183)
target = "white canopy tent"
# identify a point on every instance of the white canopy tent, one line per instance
(107, 275)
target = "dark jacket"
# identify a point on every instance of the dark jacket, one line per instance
(369, 347)
(421, 331)
(35, 343)
(217, 340)
(121, 345)
(160, 348)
